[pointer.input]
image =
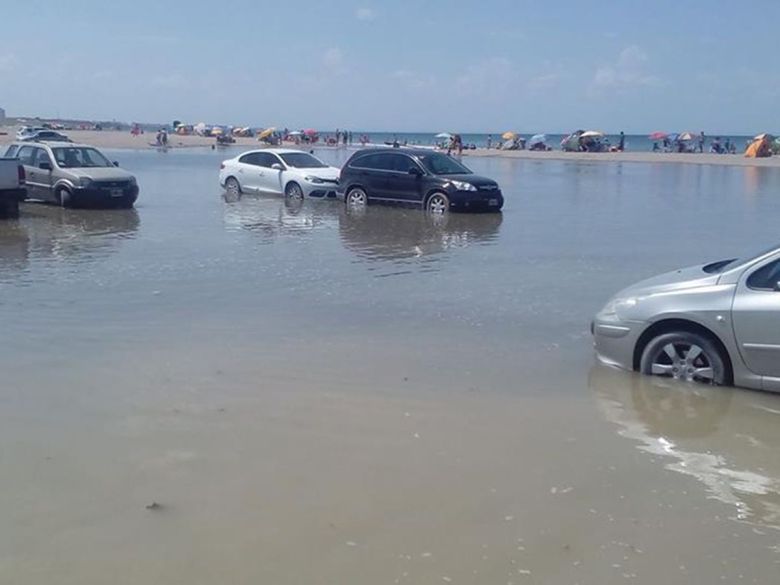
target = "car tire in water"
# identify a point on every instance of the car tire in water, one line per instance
(64, 197)
(356, 197)
(686, 356)
(438, 203)
(233, 188)
(293, 190)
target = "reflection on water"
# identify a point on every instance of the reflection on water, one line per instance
(272, 216)
(377, 233)
(723, 437)
(51, 234)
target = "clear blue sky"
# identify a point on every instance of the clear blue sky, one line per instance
(399, 65)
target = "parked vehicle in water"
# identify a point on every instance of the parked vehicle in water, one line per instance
(73, 175)
(293, 173)
(12, 187)
(715, 324)
(45, 135)
(435, 181)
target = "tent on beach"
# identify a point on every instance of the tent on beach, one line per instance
(760, 147)
(571, 143)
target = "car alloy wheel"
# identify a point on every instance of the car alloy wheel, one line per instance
(357, 197)
(232, 187)
(684, 356)
(293, 191)
(438, 203)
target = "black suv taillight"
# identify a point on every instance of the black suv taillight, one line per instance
(22, 176)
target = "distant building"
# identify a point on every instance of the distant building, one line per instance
(2, 116)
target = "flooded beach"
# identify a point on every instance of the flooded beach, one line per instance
(260, 390)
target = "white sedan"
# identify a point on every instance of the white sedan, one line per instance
(279, 171)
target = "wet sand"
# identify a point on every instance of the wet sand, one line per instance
(316, 396)
(124, 140)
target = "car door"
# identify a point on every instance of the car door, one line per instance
(756, 318)
(27, 155)
(370, 171)
(45, 177)
(271, 180)
(250, 171)
(402, 184)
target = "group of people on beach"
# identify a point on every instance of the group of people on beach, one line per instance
(676, 143)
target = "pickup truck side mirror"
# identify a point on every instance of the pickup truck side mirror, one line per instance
(44, 166)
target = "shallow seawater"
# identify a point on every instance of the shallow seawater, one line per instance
(317, 396)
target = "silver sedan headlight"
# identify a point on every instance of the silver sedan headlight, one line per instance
(618, 305)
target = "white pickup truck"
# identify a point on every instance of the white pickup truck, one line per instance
(12, 189)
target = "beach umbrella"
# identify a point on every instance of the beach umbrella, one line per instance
(687, 136)
(509, 135)
(443, 135)
(762, 136)
(592, 134)
(537, 138)
(294, 133)
(216, 131)
(658, 136)
(266, 133)
(310, 132)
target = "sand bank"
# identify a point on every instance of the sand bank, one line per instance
(124, 140)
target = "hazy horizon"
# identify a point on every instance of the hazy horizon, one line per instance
(401, 67)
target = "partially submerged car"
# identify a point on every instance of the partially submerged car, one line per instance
(278, 171)
(73, 175)
(717, 324)
(413, 176)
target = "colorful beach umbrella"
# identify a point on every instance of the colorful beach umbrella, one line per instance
(310, 132)
(509, 135)
(658, 135)
(266, 133)
(687, 136)
(762, 136)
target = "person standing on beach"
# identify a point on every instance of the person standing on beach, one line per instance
(622, 143)
(701, 141)
(344, 138)
(490, 141)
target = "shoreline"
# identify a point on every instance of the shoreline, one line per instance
(112, 139)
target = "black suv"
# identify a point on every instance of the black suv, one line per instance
(415, 176)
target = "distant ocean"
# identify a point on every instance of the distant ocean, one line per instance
(634, 142)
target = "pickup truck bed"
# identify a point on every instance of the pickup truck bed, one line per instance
(12, 189)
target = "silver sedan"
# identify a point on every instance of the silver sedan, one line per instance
(716, 324)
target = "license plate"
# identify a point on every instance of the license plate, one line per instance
(492, 201)
(117, 192)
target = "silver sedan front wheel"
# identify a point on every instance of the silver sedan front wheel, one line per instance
(686, 356)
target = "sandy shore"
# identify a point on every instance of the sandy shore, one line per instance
(124, 140)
